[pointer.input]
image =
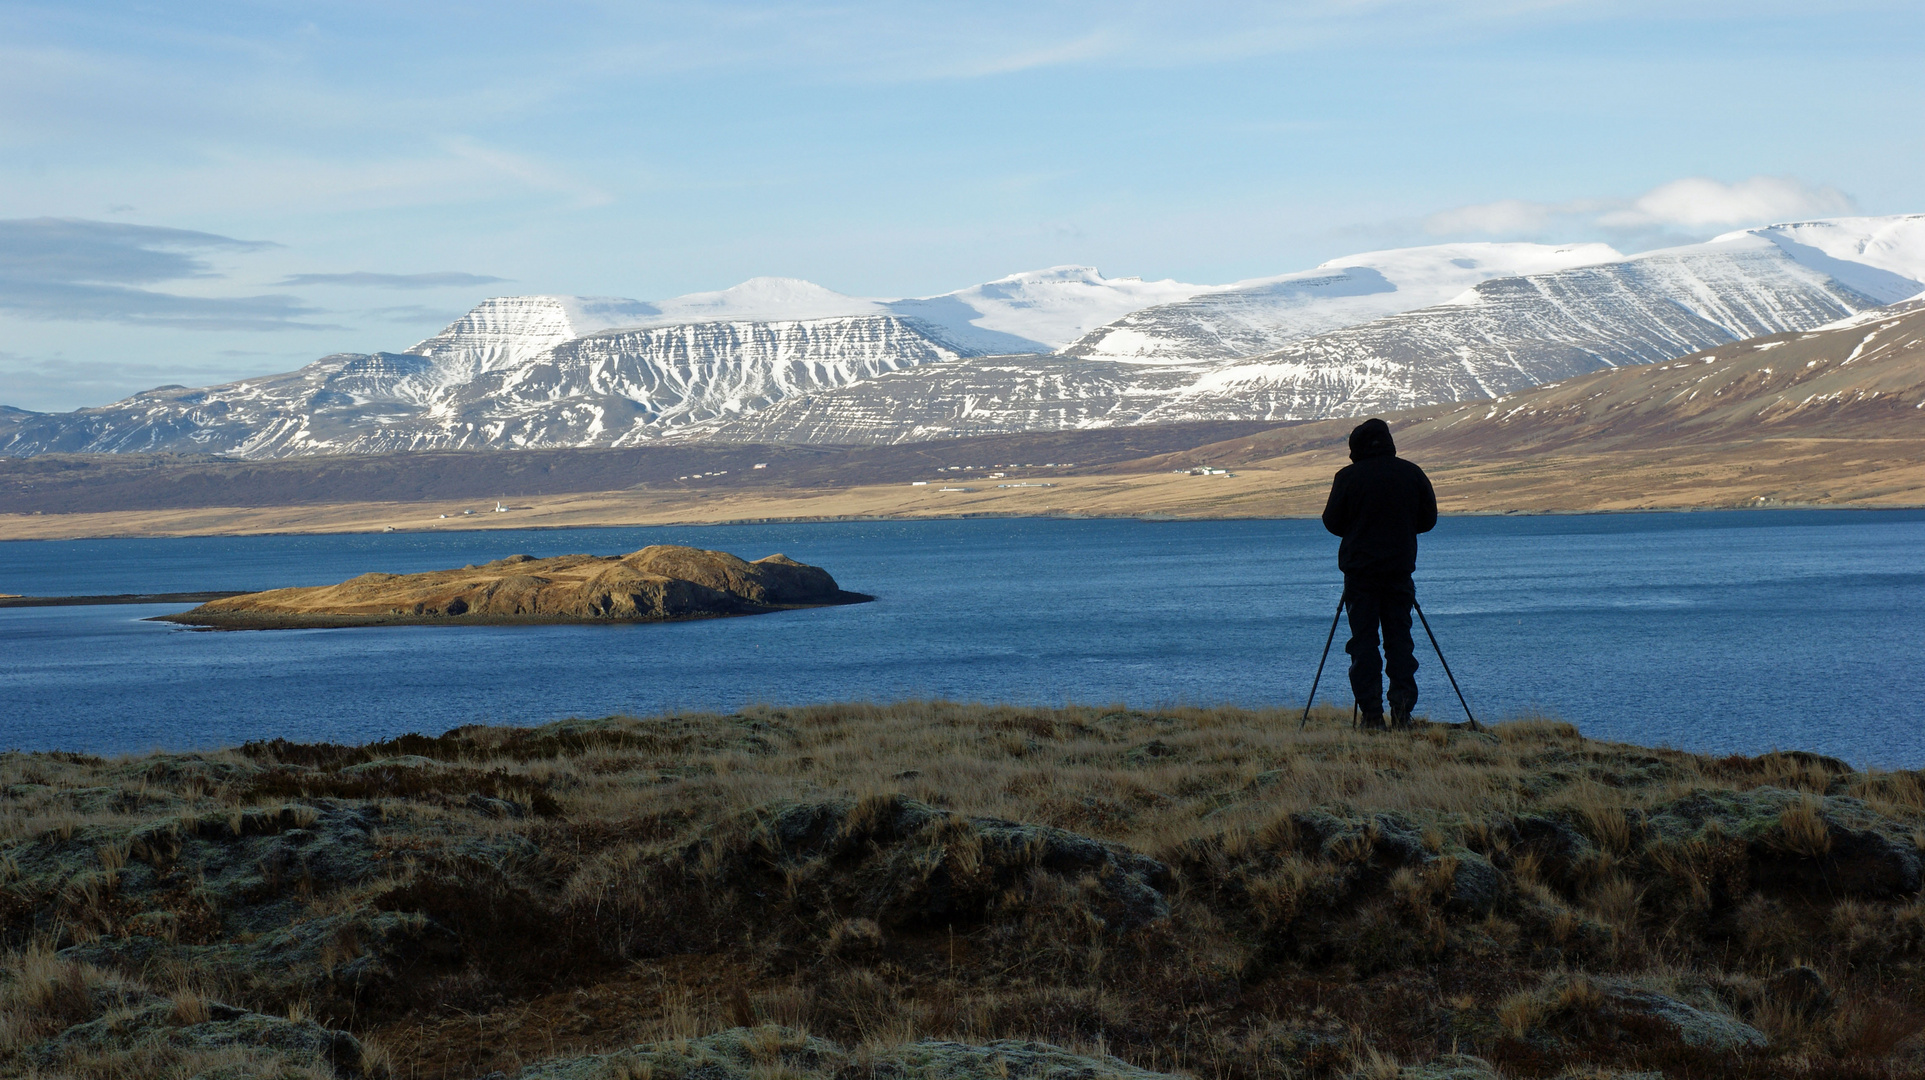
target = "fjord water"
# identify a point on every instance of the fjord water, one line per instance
(1734, 631)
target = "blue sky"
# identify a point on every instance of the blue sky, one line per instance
(251, 186)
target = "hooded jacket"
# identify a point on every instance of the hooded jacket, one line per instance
(1378, 504)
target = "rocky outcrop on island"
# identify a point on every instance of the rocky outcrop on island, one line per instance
(658, 583)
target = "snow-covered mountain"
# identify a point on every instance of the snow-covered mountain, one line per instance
(1501, 336)
(1252, 317)
(1511, 334)
(1036, 311)
(465, 389)
(785, 360)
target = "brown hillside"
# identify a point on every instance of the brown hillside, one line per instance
(1866, 381)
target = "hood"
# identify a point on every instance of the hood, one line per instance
(1371, 439)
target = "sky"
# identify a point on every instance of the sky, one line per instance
(196, 193)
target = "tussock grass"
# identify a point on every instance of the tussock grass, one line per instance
(1209, 890)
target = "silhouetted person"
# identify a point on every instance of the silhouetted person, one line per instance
(1378, 504)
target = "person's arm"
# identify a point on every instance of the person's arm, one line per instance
(1427, 503)
(1336, 510)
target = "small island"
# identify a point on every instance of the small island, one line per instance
(656, 584)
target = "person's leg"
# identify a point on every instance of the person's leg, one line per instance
(1366, 668)
(1400, 654)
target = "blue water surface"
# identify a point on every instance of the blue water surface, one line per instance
(1719, 631)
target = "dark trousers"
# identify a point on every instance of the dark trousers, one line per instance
(1374, 607)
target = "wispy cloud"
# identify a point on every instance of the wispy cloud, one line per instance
(955, 40)
(80, 270)
(84, 302)
(1680, 209)
(363, 279)
(75, 249)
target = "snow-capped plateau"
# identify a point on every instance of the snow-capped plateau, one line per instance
(1041, 310)
(779, 359)
(1882, 257)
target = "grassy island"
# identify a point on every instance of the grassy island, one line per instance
(942, 890)
(660, 583)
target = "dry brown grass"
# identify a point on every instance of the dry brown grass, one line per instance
(44, 994)
(1143, 780)
(1802, 829)
(189, 1008)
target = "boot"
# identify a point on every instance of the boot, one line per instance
(1372, 722)
(1402, 701)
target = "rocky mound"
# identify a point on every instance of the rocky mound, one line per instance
(657, 583)
(770, 1050)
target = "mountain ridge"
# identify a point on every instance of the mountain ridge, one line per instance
(1501, 336)
(1831, 416)
(783, 360)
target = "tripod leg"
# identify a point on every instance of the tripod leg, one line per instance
(1332, 636)
(1474, 725)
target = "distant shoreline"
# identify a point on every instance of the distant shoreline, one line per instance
(11, 601)
(365, 519)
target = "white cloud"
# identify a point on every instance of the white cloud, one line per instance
(1698, 203)
(1690, 207)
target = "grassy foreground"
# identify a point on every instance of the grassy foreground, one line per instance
(932, 889)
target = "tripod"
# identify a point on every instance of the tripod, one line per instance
(1332, 636)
